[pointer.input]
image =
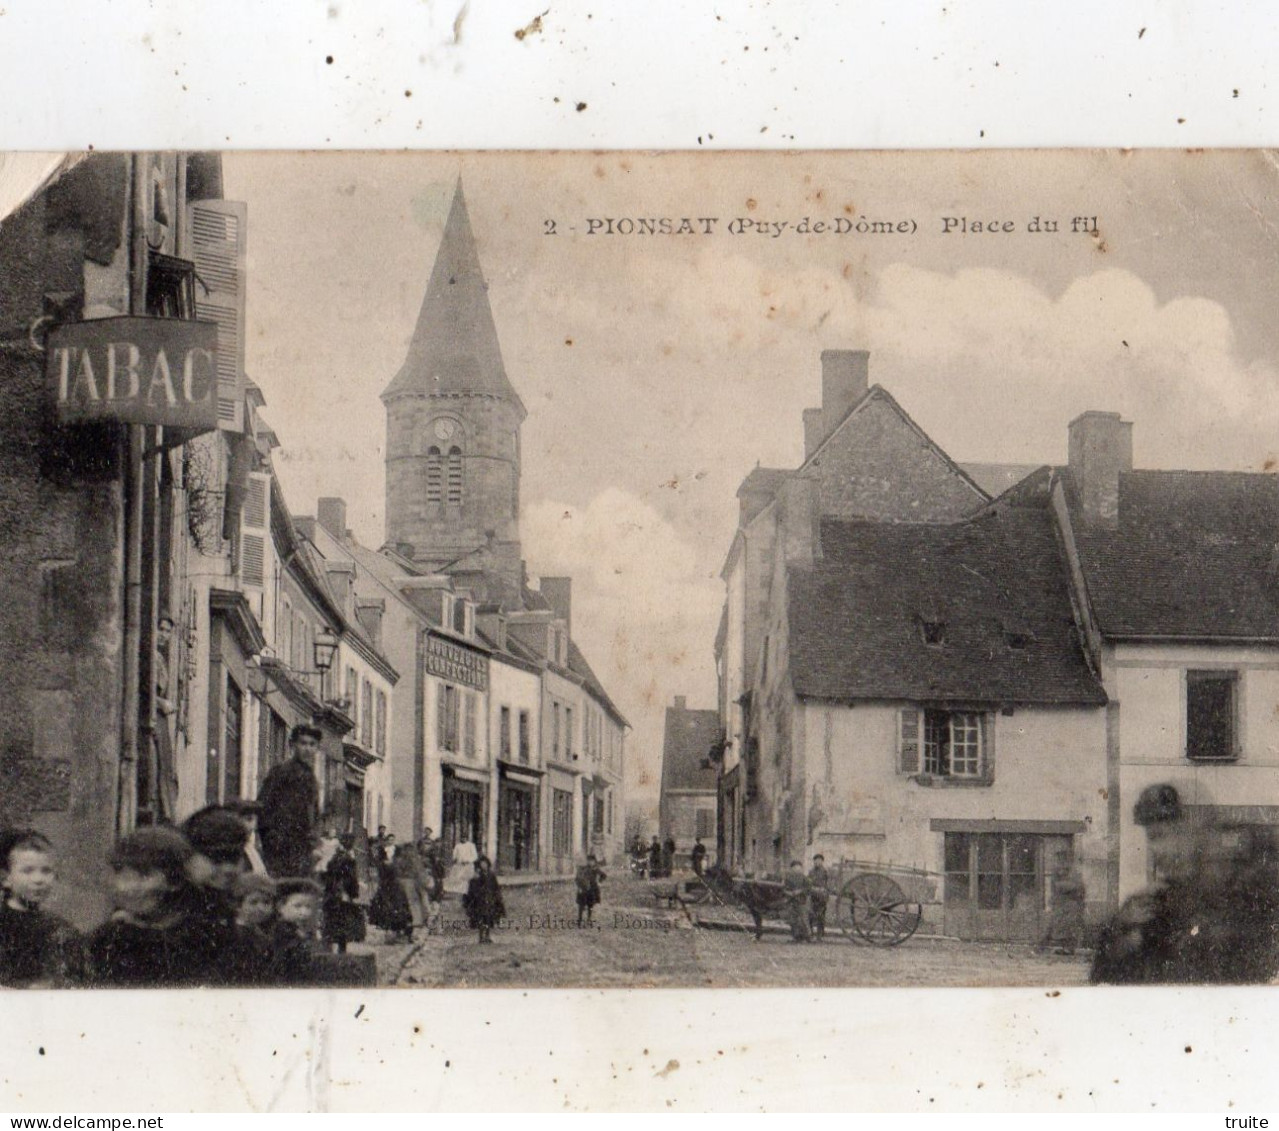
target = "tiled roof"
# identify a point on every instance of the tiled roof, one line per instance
(1193, 555)
(578, 665)
(686, 749)
(856, 618)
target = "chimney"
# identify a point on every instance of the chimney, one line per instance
(558, 592)
(845, 379)
(681, 703)
(369, 613)
(332, 515)
(814, 434)
(1100, 450)
(801, 521)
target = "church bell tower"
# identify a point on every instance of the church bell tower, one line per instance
(453, 430)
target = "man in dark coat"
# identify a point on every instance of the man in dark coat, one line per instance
(699, 856)
(655, 860)
(289, 799)
(1212, 914)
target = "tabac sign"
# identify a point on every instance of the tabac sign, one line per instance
(136, 370)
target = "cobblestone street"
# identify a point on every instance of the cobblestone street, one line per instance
(635, 943)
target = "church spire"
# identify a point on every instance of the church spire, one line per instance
(455, 350)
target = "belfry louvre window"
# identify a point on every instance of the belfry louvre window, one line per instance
(434, 477)
(1211, 716)
(455, 477)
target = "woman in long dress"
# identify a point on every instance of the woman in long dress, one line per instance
(465, 855)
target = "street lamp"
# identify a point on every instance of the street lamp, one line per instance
(323, 648)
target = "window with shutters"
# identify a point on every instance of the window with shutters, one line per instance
(944, 745)
(217, 246)
(525, 745)
(455, 477)
(379, 735)
(504, 734)
(1211, 714)
(434, 476)
(568, 734)
(352, 694)
(255, 531)
(447, 717)
(472, 723)
(705, 823)
(366, 716)
(555, 730)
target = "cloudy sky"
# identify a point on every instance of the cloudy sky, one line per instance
(658, 370)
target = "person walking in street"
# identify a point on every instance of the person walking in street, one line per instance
(389, 909)
(698, 856)
(289, 799)
(798, 907)
(655, 860)
(668, 856)
(589, 876)
(483, 900)
(818, 895)
(342, 915)
(1065, 928)
(407, 865)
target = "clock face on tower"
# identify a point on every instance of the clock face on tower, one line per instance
(444, 429)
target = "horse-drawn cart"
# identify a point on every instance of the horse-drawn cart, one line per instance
(880, 904)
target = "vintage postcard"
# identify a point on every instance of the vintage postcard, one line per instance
(639, 570)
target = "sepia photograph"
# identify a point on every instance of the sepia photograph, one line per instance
(628, 570)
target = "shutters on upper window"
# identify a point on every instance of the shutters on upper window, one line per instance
(255, 531)
(217, 249)
(908, 741)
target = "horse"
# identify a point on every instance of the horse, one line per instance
(759, 897)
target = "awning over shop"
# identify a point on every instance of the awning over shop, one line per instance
(465, 773)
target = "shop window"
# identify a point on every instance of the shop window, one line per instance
(1212, 716)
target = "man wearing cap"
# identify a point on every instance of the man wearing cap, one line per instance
(289, 799)
(1212, 914)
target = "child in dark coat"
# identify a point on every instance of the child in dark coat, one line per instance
(157, 935)
(343, 916)
(293, 937)
(37, 949)
(483, 900)
(588, 888)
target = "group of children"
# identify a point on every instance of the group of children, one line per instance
(185, 912)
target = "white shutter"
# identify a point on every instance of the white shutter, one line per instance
(255, 531)
(217, 249)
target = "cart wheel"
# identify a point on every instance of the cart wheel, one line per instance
(878, 911)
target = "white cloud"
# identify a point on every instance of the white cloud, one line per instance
(641, 613)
